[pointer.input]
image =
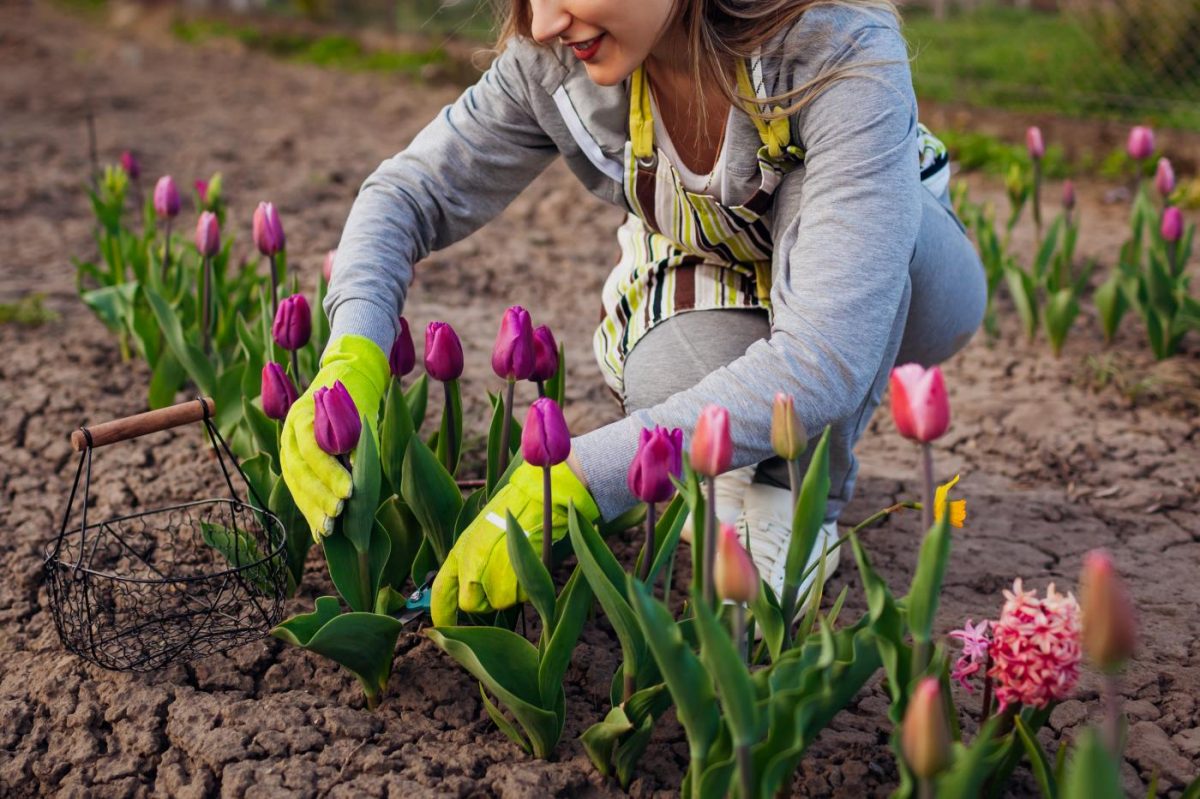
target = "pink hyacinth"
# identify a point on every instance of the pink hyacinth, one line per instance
(1035, 648)
(975, 644)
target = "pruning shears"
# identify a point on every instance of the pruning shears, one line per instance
(416, 604)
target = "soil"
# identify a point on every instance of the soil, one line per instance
(1098, 448)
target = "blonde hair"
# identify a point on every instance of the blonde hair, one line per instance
(719, 32)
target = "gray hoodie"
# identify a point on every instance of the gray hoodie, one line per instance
(845, 224)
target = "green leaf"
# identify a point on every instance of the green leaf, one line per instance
(507, 727)
(806, 524)
(295, 528)
(766, 613)
(1110, 305)
(389, 601)
(430, 491)
(402, 530)
(189, 355)
(358, 518)
(1092, 773)
(417, 399)
(264, 430)
(531, 575)
(165, 381)
(556, 386)
(449, 443)
(241, 551)
(1024, 295)
(667, 531)
(1039, 763)
(111, 303)
(364, 643)
(228, 400)
(1061, 310)
(926, 588)
(572, 611)
(1046, 251)
(395, 430)
(493, 480)
(971, 766)
(888, 628)
(356, 575)
(600, 740)
(260, 480)
(721, 658)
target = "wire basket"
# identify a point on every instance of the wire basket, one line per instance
(140, 591)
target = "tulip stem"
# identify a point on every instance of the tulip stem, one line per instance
(927, 475)
(506, 428)
(205, 301)
(648, 545)
(738, 626)
(1112, 715)
(1037, 199)
(547, 521)
(166, 250)
(274, 287)
(296, 369)
(541, 384)
(710, 539)
(745, 766)
(924, 788)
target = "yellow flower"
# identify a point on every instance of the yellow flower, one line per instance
(958, 507)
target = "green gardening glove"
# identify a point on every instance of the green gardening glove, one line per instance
(477, 575)
(319, 484)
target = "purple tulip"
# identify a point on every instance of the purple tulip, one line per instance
(403, 356)
(512, 355)
(293, 323)
(443, 352)
(1034, 143)
(166, 197)
(1141, 143)
(327, 267)
(1068, 197)
(545, 354)
(267, 229)
(336, 424)
(1172, 224)
(130, 164)
(659, 456)
(278, 393)
(545, 441)
(1164, 178)
(201, 187)
(208, 234)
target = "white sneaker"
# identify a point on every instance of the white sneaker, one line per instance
(767, 515)
(731, 487)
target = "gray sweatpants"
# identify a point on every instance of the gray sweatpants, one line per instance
(939, 312)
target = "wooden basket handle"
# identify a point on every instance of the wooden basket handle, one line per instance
(143, 423)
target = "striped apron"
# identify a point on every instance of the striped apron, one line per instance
(685, 251)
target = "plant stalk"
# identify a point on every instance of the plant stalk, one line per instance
(450, 413)
(745, 770)
(795, 479)
(206, 301)
(648, 545)
(274, 287)
(738, 623)
(166, 251)
(627, 684)
(506, 428)
(547, 521)
(924, 788)
(927, 476)
(1037, 199)
(986, 709)
(541, 384)
(1112, 715)
(710, 540)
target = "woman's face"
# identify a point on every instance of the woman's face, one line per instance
(626, 32)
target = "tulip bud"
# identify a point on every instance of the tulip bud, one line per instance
(403, 356)
(1164, 178)
(734, 575)
(278, 393)
(712, 445)
(1108, 623)
(208, 234)
(166, 197)
(336, 424)
(920, 406)
(1068, 195)
(659, 456)
(130, 164)
(327, 267)
(1034, 143)
(267, 229)
(201, 187)
(1141, 143)
(443, 352)
(787, 434)
(293, 323)
(545, 354)
(1172, 224)
(545, 440)
(925, 733)
(512, 355)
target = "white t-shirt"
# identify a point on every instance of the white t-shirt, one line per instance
(715, 180)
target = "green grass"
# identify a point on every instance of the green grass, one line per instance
(1026, 61)
(27, 311)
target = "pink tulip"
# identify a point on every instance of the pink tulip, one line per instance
(1068, 195)
(336, 424)
(734, 576)
(166, 197)
(292, 327)
(208, 234)
(327, 267)
(278, 393)
(1109, 629)
(201, 187)
(712, 445)
(403, 356)
(545, 440)
(1172, 224)
(920, 406)
(659, 456)
(130, 164)
(925, 733)
(788, 438)
(545, 354)
(1034, 143)
(268, 229)
(443, 352)
(1164, 178)
(1141, 143)
(512, 355)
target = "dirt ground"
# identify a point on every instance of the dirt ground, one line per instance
(1054, 462)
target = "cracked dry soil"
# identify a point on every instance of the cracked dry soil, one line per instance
(1051, 467)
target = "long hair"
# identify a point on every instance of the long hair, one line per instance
(718, 33)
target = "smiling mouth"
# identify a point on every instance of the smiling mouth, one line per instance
(585, 45)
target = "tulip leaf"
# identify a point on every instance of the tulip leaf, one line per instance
(769, 618)
(111, 303)
(165, 381)
(1060, 314)
(449, 441)
(357, 575)
(494, 477)
(572, 611)
(424, 563)
(389, 601)
(600, 740)
(507, 666)
(320, 322)
(556, 386)
(295, 528)
(922, 599)
(888, 627)
(1038, 762)
(806, 525)
(716, 779)
(667, 531)
(401, 528)
(260, 480)
(242, 553)
(1024, 294)
(264, 430)
(720, 656)
(631, 518)
(416, 397)
(365, 643)
(431, 493)
(358, 518)
(686, 678)
(189, 355)
(507, 727)
(394, 433)
(531, 574)
(471, 508)
(1110, 303)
